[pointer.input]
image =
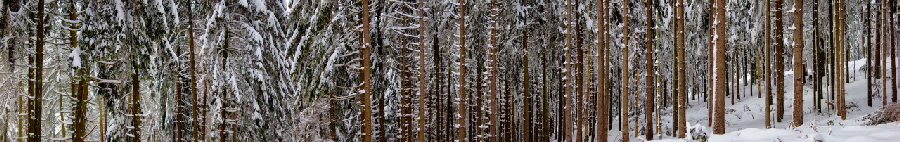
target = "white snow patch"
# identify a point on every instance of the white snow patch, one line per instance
(120, 11)
(76, 57)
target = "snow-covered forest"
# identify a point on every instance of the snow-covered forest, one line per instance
(448, 70)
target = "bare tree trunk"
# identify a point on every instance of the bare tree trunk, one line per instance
(799, 72)
(34, 123)
(463, 112)
(711, 75)
(195, 102)
(136, 107)
(403, 123)
(892, 43)
(817, 83)
(869, 64)
(527, 94)
(420, 132)
(568, 74)
(579, 80)
(680, 69)
(882, 53)
(602, 95)
(494, 72)
(625, 73)
(768, 104)
(650, 72)
(839, 60)
(719, 124)
(365, 88)
(779, 60)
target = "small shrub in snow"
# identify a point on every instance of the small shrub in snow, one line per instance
(884, 115)
(698, 133)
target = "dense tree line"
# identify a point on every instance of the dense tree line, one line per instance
(428, 70)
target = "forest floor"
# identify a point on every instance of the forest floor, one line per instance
(745, 117)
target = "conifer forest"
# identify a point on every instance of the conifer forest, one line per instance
(449, 70)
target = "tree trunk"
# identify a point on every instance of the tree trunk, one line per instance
(136, 107)
(648, 114)
(34, 122)
(892, 43)
(365, 95)
(768, 67)
(527, 94)
(494, 72)
(719, 124)
(195, 102)
(711, 75)
(882, 56)
(579, 81)
(799, 72)
(625, 73)
(602, 95)
(680, 69)
(420, 132)
(817, 87)
(869, 64)
(839, 60)
(463, 112)
(779, 62)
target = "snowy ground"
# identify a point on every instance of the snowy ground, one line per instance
(745, 118)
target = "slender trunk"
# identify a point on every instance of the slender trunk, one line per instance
(34, 123)
(869, 64)
(650, 72)
(680, 69)
(840, 60)
(494, 68)
(892, 43)
(479, 102)
(420, 132)
(365, 88)
(625, 74)
(817, 74)
(80, 110)
(545, 96)
(579, 80)
(779, 61)
(568, 75)
(602, 95)
(405, 95)
(463, 112)
(882, 53)
(711, 75)
(799, 72)
(136, 107)
(195, 102)
(768, 68)
(719, 124)
(527, 94)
